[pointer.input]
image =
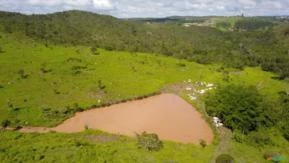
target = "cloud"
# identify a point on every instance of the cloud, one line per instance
(102, 4)
(58, 2)
(152, 8)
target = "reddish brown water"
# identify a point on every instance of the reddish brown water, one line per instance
(167, 115)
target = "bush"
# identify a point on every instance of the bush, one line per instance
(5, 123)
(238, 137)
(149, 142)
(284, 102)
(203, 143)
(94, 51)
(285, 131)
(22, 74)
(101, 86)
(44, 69)
(224, 158)
(181, 64)
(259, 138)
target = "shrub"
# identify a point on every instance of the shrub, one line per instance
(259, 138)
(238, 137)
(5, 123)
(181, 64)
(77, 69)
(80, 143)
(284, 103)
(149, 142)
(224, 158)
(77, 108)
(22, 74)
(44, 69)
(94, 51)
(101, 86)
(285, 130)
(203, 143)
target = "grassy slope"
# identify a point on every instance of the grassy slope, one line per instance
(125, 76)
(92, 146)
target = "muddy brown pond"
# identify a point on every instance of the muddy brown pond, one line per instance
(167, 115)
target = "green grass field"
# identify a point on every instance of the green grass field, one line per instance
(92, 146)
(42, 86)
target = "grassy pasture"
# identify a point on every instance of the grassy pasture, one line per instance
(42, 86)
(92, 146)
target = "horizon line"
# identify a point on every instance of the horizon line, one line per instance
(169, 16)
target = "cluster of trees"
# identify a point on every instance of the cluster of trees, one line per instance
(246, 111)
(266, 48)
(284, 120)
(253, 24)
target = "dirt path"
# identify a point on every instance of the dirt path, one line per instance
(167, 115)
(224, 144)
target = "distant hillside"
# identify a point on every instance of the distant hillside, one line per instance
(255, 46)
(84, 28)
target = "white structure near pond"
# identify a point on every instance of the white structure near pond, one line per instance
(192, 97)
(196, 89)
(217, 122)
(188, 88)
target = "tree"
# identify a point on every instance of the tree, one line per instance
(149, 142)
(284, 103)
(240, 107)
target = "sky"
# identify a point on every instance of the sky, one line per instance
(152, 8)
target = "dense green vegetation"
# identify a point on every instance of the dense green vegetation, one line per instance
(52, 66)
(284, 111)
(248, 47)
(244, 109)
(253, 24)
(241, 108)
(255, 119)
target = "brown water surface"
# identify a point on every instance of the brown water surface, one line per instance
(167, 115)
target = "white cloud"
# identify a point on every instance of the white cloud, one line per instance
(152, 8)
(102, 4)
(58, 2)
